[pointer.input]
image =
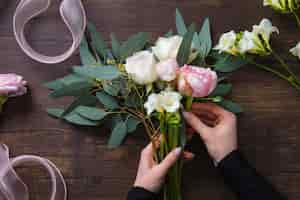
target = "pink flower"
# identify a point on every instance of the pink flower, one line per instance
(196, 81)
(12, 85)
(167, 69)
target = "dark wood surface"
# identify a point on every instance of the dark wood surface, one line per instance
(269, 130)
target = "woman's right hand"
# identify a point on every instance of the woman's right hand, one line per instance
(217, 128)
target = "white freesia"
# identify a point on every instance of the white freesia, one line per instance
(246, 43)
(168, 101)
(275, 3)
(265, 29)
(296, 50)
(167, 48)
(141, 67)
(226, 42)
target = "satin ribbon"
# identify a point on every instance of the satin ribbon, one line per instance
(13, 188)
(72, 13)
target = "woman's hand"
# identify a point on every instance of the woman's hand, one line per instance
(217, 128)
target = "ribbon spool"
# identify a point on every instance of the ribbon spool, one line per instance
(73, 15)
(13, 188)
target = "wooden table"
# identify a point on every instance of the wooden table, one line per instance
(269, 130)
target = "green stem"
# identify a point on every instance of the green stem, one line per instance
(297, 17)
(189, 102)
(284, 65)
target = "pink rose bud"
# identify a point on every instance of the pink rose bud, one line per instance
(196, 81)
(167, 69)
(12, 85)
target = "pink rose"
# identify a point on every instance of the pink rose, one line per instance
(167, 70)
(12, 85)
(196, 81)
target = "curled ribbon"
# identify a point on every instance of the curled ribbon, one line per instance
(13, 188)
(73, 15)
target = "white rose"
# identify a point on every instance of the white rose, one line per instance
(165, 100)
(167, 70)
(265, 29)
(170, 101)
(166, 48)
(226, 42)
(141, 67)
(296, 50)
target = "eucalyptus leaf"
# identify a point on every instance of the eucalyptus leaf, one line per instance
(108, 101)
(169, 34)
(205, 39)
(102, 73)
(185, 47)
(97, 40)
(228, 63)
(222, 90)
(132, 124)
(75, 118)
(59, 83)
(73, 89)
(180, 25)
(115, 45)
(91, 113)
(135, 43)
(55, 112)
(112, 88)
(231, 106)
(87, 58)
(84, 100)
(118, 135)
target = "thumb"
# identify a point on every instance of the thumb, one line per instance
(169, 161)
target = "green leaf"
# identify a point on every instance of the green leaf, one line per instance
(85, 100)
(112, 88)
(97, 40)
(185, 47)
(55, 112)
(108, 101)
(73, 89)
(169, 34)
(132, 124)
(59, 83)
(102, 73)
(180, 25)
(222, 90)
(118, 135)
(228, 63)
(91, 113)
(87, 58)
(133, 100)
(75, 118)
(205, 39)
(231, 106)
(135, 43)
(115, 45)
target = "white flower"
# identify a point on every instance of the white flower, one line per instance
(272, 3)
(141, 67)
(296, 50)
(167, 70)
(168, 101)
(246, 43)
(265, 29)
(166, 48)
(226, 42)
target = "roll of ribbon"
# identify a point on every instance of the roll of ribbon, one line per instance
(13, 188)
(73, 15)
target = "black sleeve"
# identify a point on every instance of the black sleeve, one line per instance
(138, 193)
(244, 180)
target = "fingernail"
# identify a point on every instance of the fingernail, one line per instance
(177, 151)
(185, 114)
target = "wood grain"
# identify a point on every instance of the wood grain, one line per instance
(268, 130)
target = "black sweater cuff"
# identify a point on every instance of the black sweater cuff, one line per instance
(138, 193)
(244, 180)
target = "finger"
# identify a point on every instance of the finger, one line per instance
(168, 162)
(202, 129)
(188, 156)
(146, 160)
(209, 108)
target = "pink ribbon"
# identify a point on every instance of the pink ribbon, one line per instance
(13, 188)
(73, 15)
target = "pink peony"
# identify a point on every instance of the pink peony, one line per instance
(12, 85)
(167, 69)
(196, 81)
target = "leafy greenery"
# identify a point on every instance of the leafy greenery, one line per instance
(227, 63)
(185, 47)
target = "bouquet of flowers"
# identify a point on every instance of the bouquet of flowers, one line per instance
(136, 82)
(11, 85)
